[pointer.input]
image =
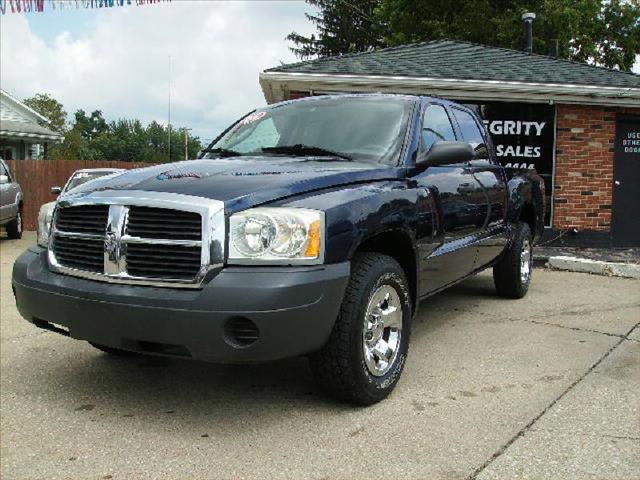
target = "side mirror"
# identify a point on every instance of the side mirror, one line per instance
(4, 179)
(446, 153)
(56, 190)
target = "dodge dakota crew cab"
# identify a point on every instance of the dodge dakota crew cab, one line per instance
(310, 227)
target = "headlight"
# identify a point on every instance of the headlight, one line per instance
(44, 224)
(276, 236)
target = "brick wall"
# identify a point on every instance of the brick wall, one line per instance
(584, 167)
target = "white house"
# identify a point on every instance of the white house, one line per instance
(22, 134)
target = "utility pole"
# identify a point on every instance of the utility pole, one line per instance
(186, 143)
(169, 120)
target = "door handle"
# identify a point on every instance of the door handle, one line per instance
(617, 183)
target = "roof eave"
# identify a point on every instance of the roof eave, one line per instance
(275, 85)
(10, 135)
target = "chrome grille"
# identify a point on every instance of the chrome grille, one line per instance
(90, 219)
(83, 253)
(162, 261)
(131, 237)
(149, 222)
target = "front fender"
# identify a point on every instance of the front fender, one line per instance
(356, 213)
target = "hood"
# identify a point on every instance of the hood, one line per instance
(242, 182)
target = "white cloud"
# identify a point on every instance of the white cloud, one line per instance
(120, 64)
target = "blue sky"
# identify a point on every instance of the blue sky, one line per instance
(51, 23)
(116, 59)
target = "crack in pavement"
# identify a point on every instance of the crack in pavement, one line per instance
(603, 435)
(549, 324)
(527, 427)
(577, 329)
(587, 311)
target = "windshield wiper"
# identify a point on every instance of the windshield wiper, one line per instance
(223, 152)
(305, 150)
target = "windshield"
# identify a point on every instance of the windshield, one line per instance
(358, 128)
(83, 177)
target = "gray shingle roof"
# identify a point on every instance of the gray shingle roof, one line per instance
(463, 60)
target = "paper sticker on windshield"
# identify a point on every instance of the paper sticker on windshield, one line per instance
(252, 118)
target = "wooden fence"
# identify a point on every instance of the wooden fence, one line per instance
(36, 177)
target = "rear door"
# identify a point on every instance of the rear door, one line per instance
(492, 198)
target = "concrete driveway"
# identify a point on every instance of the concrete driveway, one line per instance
(544, 387)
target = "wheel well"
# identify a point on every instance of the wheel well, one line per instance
(397, 245)
(528, 215)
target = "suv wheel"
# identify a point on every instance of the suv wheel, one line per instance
(512, 274)
(14, 227)
(367, 349)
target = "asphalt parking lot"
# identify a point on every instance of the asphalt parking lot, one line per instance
(544, 387)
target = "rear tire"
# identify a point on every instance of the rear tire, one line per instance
(14, 227)
(366, 352)
(512, 274)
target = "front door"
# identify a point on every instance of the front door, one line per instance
(461, 200)
(626, 194)
(492, 233)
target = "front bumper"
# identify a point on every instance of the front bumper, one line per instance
(293, 308)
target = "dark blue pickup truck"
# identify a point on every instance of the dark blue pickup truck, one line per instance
(311, 227)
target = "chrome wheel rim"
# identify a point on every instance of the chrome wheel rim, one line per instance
(382, 331)
(525, 262)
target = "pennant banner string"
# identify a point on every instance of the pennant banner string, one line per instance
(28, 6)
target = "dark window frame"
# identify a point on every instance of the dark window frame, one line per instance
(453, 125)
(483, 133)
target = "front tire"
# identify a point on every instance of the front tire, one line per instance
(512, 274)
(366, 352)
(14, 227)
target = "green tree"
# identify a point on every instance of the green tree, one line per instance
(73, 147)
(605, 33)
(90, 126)
(123, 139)
(343, 27)
(49, 107)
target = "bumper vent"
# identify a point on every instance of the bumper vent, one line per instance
(163, 223)
(240, 332)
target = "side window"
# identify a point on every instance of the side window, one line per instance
(471, 132)
(3, 171)
(436, 126)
